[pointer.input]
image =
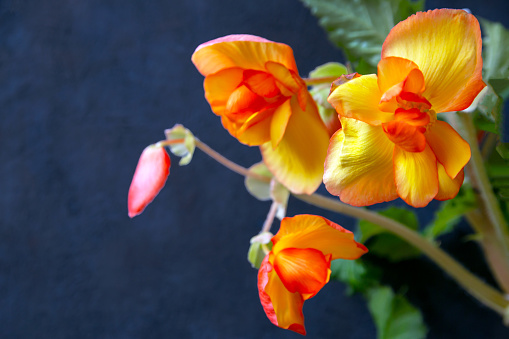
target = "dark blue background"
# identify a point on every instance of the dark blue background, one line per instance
(85, 86)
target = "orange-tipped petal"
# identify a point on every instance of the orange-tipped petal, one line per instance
(283, 308)
(446, 46)
(243, 51)
(449, 147)
(303, 270)
(406, 136)
(297, 161)
(311, 231)
(416, 177)
(255, 130)
(149, 178)
(358, 167)
(284, 76)
(448, 188)
(359, 99)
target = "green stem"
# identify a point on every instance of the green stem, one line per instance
(486, 294)
(317, 81)
(494, 229)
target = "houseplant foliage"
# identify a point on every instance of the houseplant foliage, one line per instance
(414, 114)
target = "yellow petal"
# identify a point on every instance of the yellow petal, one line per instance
(416, 176)
(297, 161)
(279, 122)
(359, 99)
(255, 130)
(283, 308)
(446, 45)
(449, 147)
(358, 167)
(448, 188)
(242, 51)
(311, 231)
(219, 86)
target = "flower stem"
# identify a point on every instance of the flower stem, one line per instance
(486, 294)
(317, 81)
(270, 218)
(494, 230)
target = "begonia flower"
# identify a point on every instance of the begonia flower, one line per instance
(298, 266)
(391, 143)
(253, 85)
(149, 178)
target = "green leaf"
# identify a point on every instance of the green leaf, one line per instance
(495, 50)
(385, 244)
(184, 149)
(259, 189)
(320, 92)
(360, 27)
(330, 69)
(450, 212)
(357, 274)
(394, 316)
(503, 150)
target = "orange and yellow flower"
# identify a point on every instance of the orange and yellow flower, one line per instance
(299, 266)
(391, 144)
(253, 85)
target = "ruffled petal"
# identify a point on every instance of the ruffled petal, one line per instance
(303, 270)
(297, 161)
(394, 71)
(449, 147)
(283, 308)
(358, 167)
(448, 188)
(359, 99)
(149, 178)
(261, 83)
(242, 51)
(218, 88)
(255, 130)
(311, 231)
(416, 177)
(406, 136)
(446, 45)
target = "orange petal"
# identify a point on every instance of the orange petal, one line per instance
(284, 76)
(311, 231)
(243, 100)
(358, 167)
(394, 71)
(283, 308)
(219, 86)
(449, 147)
(149, 178)
(279, 122)
(243, 51)
(297, 161)
(303, 270)
(416, 177)
(446, 46)
(448, 188)
(406, 136)
(359, 99)
(261, 83)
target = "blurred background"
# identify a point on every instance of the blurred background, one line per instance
(85, 86)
